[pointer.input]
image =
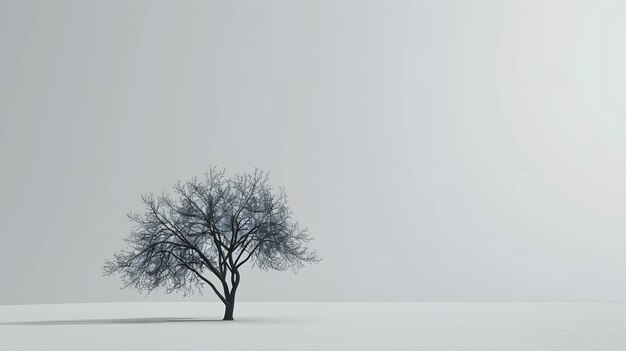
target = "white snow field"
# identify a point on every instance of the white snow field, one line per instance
(315, 326)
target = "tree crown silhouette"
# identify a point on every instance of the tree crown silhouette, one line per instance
(206, 232)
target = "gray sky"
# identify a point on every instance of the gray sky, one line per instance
(437, 150)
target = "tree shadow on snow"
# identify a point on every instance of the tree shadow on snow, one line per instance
(137, 321)
(115, 321)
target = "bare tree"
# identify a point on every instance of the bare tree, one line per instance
(202, 238)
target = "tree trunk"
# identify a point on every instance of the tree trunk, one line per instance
(230, 296)
(229, 308)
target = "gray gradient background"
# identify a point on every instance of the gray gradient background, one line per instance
(437, 150)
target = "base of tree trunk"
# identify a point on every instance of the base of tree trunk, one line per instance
(228, 313)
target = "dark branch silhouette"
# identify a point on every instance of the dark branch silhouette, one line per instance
(206, 232)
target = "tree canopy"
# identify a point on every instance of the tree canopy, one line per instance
(209, 228)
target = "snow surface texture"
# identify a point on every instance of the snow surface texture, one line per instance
(315, 326)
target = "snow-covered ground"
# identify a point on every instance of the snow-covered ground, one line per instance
(315, 326)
